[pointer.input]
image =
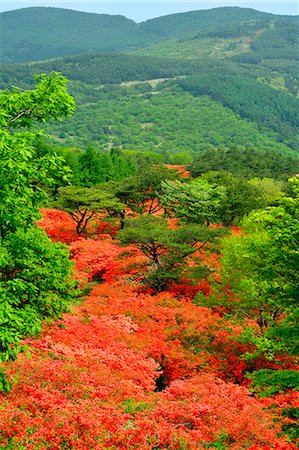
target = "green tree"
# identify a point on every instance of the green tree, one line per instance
(262, 268)
(197, 201)
(167, 249)
(35, 273)
(34, 284)
(245, 162)
(271, 190)
(241, 196)
(72, 156)
(142, 192)
(23, 175)
(96, 167)
(83, 203)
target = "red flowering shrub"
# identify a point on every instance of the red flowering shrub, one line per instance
(90, 383)
(95, 259)
(101, 227)
(183, 337)
(58, 225)
(189, 290)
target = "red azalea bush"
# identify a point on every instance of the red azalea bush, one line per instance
(90, 383)
(95, 259)
(58, 225)
(131, 369)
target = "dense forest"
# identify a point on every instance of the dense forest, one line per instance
(149, 224)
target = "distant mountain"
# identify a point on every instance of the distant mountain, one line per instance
(39, 33)
(188, 24)
(253, 39)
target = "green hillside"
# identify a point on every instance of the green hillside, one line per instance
(263, 46)
(37, 33)
(251, 99)
(160, 119)
(206, 79)
(250, 41)
(92, 78)
(189, 23)
(101, 69)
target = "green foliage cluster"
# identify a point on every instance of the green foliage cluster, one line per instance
(93, 166)
(166, 248)
(82, 203)
(241, 197)
(245, 163)
(268, 382)
(34, 285)
(142, 193)
(21, 171)
(34, 273)
(262, 268)
(195, 202)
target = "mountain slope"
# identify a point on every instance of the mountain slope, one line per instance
(232, 86)
(264, 46)
(267, 40)
(235, 58)
(100, 68)
(40, 33)
(187, 24)
(164, 120)
(258, 39)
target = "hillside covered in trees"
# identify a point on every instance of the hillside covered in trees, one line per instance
(149, 207)
(236, 94)
(56, 32)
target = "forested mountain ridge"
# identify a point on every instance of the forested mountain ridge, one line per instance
(56, 32)
(181, 25)
(264, 46)
(247, 41)
(39, 33)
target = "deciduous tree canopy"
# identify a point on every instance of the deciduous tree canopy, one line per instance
(34, 273)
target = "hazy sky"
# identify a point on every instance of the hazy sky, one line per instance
(141, 10)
